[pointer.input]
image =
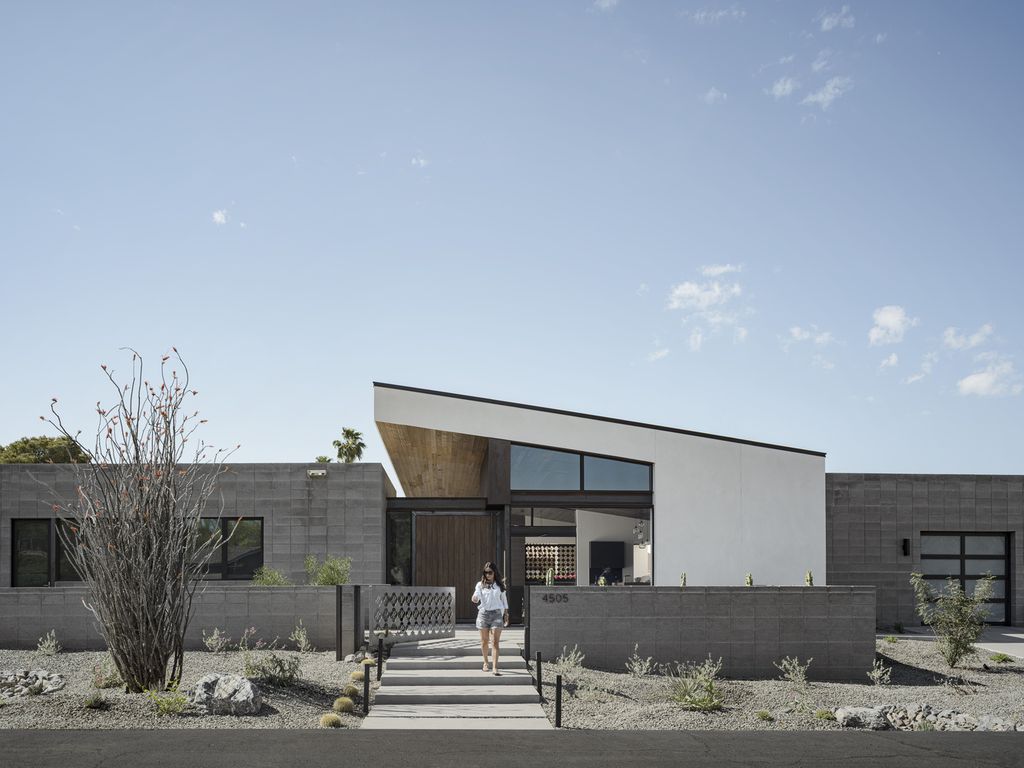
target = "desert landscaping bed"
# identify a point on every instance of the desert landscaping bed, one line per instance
(595, 699)
(319, 682)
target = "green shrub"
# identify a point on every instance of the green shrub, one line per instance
(793, 671)
(891, 639)
(1001, 658)
(300, 637)
(748, 580)
(268, 577)
(925, 725)
(343, 704)
(825, 714)
(216, 641)
(764, 715)
(330, 720)
(48, 644)
(333, 571)
(571, 659)
(880, 674)
(357, 675)
(808, 579)
(352, 691)
(956, 618)
(275, 670)
(695, 686)
(105, 675)
(95, 700)
(169, 702)
(637, 666)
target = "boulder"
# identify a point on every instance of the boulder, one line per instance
(872, 718)
(221, 694)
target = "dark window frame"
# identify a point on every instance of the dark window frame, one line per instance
(962, 559)
(49, 551)
(582, 486)
(226, 523)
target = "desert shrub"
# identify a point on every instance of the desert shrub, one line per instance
(638, 667)
(48, 644)
(879, 673)
(957, 618)
(749, 580)
(808, 579)
(764, 715)
(95, 700)
(891, 639)
(793, 671)
(695, 686)
(357, 675)
(274, 669)
(168, 702)
(1001, 658)
(343, 704)
(352, 691)
(216, 641)
(331, 572)
(330, 720)
(268, 577)
(571, 658)
(825, 714)
(249, 642)
(925, 725)
(105, 675)
(300, 637)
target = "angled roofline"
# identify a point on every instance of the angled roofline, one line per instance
(609, 419)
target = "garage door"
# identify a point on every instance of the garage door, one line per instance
(967, 557)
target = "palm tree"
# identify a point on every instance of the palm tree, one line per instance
(350, 449)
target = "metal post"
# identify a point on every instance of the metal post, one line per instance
(558, 701)
(540, 689)
(357, 618)
(366, 690)
(338, 628)
(380, 656)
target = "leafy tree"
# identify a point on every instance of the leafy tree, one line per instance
(350, 447)
(323, 459)
(957, 618)
(44, 450)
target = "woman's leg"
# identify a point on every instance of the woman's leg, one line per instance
(484, 637)
(495, 641)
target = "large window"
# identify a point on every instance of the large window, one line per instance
(31, 545)
(242, 554)
(545, 469)
(399, 549)
(966, 557)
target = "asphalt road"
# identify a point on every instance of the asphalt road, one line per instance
(536, 749)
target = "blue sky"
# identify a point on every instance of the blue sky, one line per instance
(792, 222)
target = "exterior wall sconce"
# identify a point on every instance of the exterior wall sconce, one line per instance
(314, 473)
(906, 547)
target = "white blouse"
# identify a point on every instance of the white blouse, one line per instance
(492, 598)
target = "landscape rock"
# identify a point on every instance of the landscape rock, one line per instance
(25, 682)
(222, 694)
(873, 718)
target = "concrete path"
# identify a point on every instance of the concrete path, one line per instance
(439, 684)
(1008, 640)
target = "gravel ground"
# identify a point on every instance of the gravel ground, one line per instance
(614, 701)
(321, 680)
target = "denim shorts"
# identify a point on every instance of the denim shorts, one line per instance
(490, 619)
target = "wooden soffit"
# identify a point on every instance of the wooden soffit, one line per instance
(430, 462)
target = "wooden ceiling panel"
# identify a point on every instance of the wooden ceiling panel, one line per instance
(430, 462)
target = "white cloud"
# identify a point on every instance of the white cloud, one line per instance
(642, 289)
(658, 354)
(955, 340)
(880, 38)
(820, 362)
(829, 92)
(891, 322)
(782, 87)
(843, 18)
(701, 296)
(891, 361)
(787, 59)
(739, 335)
(420, 161)
(717, 270)
(220, 217)
(696, 339)
(927, 363)
(605, 5)
(820, 338)
(715, 96)
(997, 379)
(242, 225)
(821, 61)
(709, 17)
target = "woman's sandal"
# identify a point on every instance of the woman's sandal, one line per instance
(486, 668)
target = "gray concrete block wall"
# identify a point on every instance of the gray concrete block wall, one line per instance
(867, 516)
(342, 514)
(749, 628)
(26, 614)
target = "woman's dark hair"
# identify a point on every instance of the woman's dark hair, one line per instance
(489, 566)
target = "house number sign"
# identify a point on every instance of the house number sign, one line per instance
(550, 597)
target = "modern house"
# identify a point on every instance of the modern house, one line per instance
(570, 497)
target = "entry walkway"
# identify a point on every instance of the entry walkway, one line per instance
(438, 684)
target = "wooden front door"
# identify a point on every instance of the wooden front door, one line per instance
(450, 550)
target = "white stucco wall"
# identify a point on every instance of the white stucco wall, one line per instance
(721, 508)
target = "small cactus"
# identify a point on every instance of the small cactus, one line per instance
(369, 662)
(748, 580)
(352, 691)
(330, 720)
(357, 675)
(343, 704)
(682, 579)
(809, 579)
(549, 577)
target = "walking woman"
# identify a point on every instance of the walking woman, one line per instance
(492, 613)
